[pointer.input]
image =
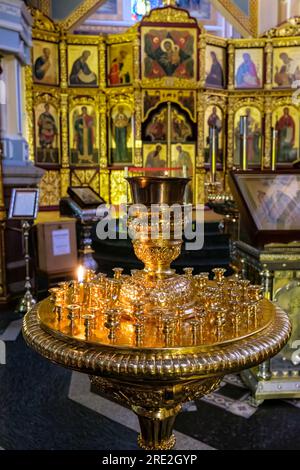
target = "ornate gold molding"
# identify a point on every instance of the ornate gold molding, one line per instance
(169, 14)
(268, 125)
(84, 9)
(50, 188)
(289, 28)
(202, 53)
(43, 22)
(29, 111)
(239, 19)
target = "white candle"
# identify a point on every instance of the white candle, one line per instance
(80, 277)
(126, 172)
(184, 171)
(80, 274)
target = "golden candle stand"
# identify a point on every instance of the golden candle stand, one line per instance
(156, 339)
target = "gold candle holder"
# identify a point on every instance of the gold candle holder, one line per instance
(73, 315)
(274, 149)
(243, 137)
(89, 324)
(219, 274)
(112, 323)
(118, 272)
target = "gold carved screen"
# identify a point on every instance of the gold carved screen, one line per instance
(147, 98)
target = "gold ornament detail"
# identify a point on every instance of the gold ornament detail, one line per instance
(50, 189)
(43, 22)
(169, 15)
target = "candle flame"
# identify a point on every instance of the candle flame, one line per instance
(80, 274)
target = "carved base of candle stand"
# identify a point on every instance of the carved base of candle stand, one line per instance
(155, 406)
(86, 252)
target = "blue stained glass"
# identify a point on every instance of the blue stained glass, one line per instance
(139, 8)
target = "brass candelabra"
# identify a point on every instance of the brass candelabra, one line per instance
(155, 339)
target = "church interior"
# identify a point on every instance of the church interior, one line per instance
(149, 225)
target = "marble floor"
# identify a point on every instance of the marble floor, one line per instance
(44, 406)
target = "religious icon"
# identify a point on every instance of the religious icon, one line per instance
(45, 63)
(157, 127)
(248, 68)
(83, 65)
(155, 156)
(286, 122)
(183, 155)
(119, 64)
(254, 134)
(83, 136)
(169, 52)
(214, 118)
(180, 128)
(151, 99)
(122, 138)
(286, 66)
(214, 66)
(188, 101)
(273, 200)
(46, 134)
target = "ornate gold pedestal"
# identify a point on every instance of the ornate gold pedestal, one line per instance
(154, 340)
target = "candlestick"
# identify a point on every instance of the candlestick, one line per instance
(213, 153)
(274, 149)
(243, 138)
(169, 135)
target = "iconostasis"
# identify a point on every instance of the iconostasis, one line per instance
(148, 97)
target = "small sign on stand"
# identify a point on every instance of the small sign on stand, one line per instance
(24, 207)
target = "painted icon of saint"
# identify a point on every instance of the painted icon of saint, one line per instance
(84, 136)
(286, 128)
(246, 76)
(216, 75)
(42, 65)
(121, 131)
(120, 70)
(81, 74)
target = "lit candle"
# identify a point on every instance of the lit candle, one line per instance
(80, 278)
(274, 149)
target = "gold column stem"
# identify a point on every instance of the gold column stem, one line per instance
(274, 149)
(169, 134)
(213, 162)
(243, 123)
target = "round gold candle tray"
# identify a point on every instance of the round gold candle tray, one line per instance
(156, 339)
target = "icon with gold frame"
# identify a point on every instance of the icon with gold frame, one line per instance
(155, 156)
(169, 52)
(286, 66)
(45, 63)
(83, 136)
(249, 68)
(47, 141)
(215, 66)
(121, 134)
(285, 119)
(183, 155)
(214, 118)
(83, 65)
(254, 135)
(119, 64)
